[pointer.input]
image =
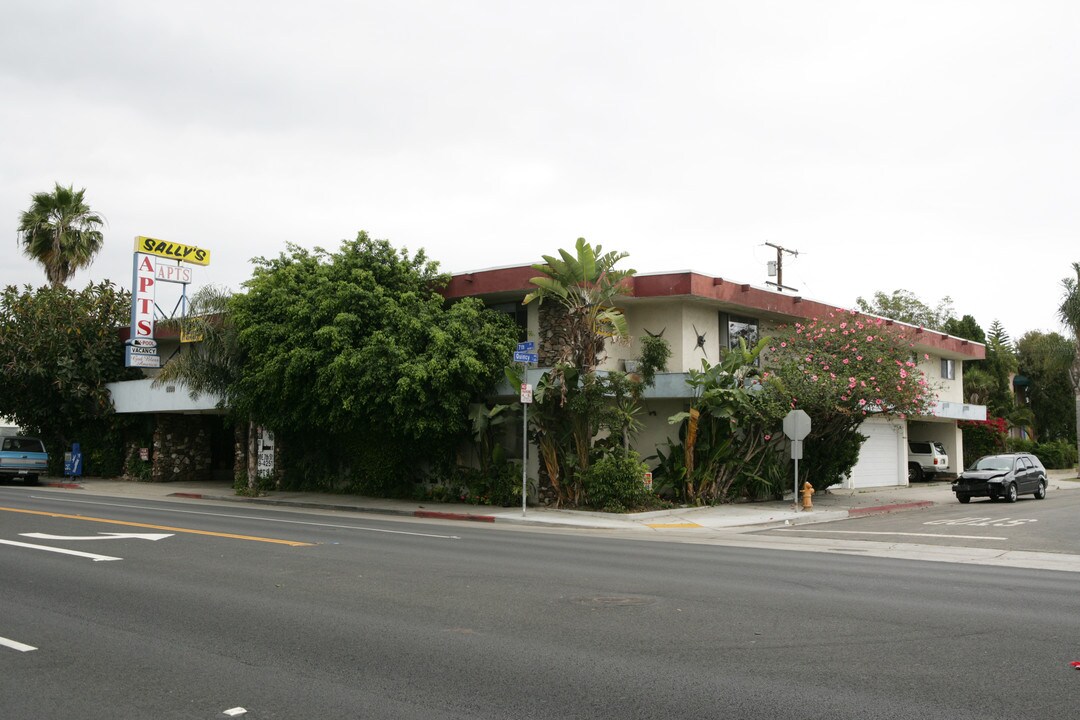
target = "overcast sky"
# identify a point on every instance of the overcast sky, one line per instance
(930, 146)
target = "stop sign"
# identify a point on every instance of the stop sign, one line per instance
(796, 425)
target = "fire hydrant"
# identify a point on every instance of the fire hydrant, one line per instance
(807, 492)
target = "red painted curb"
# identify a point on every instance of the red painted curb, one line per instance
(197, 496)
(890, 508)
(65, 485)
(453, 516)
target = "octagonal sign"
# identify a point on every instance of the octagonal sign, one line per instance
(796, 425)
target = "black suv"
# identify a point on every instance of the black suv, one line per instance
(1002, 476)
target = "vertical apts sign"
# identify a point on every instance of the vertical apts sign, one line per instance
(156, 261)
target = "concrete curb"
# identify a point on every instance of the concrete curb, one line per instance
(453, 516)
(627, 522)
(883, 509)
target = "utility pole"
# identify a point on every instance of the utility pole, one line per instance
(779, 264)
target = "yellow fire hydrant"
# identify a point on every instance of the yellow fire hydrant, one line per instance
(807, 492)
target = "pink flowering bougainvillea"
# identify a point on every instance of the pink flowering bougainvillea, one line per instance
(880, 377)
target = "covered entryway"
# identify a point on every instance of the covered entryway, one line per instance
(882, 458)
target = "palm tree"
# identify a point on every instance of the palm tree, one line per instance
(61, 232)
(585, 284)
(1069, 313)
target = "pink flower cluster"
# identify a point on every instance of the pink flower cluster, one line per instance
(881, 374)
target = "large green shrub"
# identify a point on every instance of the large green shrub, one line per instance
(1058, 454)
(615, 483)
(356, 359)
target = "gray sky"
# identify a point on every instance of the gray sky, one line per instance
(930, 146)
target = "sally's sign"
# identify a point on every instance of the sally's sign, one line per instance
(172, 251)
(148, 270)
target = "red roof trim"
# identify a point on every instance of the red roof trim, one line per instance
(682, 284)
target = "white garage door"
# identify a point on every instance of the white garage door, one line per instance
(882, 461)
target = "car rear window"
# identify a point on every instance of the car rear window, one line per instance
(919, 447)
(12, 444)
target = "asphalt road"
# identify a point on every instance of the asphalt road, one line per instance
(308, 615)
(1027, 525)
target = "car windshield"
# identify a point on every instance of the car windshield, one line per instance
(993, 463)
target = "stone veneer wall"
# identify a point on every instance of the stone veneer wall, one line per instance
(181, 448)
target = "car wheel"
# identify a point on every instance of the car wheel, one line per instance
(1040, 493)
(965, 499)
(1010, 493)
(914, 472)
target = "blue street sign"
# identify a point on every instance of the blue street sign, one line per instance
(524, 357)
(526, 346)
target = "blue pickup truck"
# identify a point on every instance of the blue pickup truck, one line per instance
(23, 458)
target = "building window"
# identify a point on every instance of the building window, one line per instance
(948, 369)
(733, 327)
(742, 327)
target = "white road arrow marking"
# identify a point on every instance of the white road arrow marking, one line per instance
(100, 536)
(62, 551)
(15, 645)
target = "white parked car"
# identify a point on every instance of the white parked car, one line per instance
(926, 458)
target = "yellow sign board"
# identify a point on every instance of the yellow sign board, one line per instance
(172, 251)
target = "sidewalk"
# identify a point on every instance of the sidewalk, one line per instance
(835, 504)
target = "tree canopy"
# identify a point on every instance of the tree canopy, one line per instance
(355, 358)
(904, 306)
(61, 232)
(1044, 359)
(58, 349)
(1069, 314)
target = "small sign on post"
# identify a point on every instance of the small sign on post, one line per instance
(526, 393)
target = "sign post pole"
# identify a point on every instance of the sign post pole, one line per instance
(796, 428)
(523, 355)
(524, 455)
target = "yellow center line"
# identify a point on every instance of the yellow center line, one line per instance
(291, 543)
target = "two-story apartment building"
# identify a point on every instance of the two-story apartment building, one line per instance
(697, 314)
(700, 315)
